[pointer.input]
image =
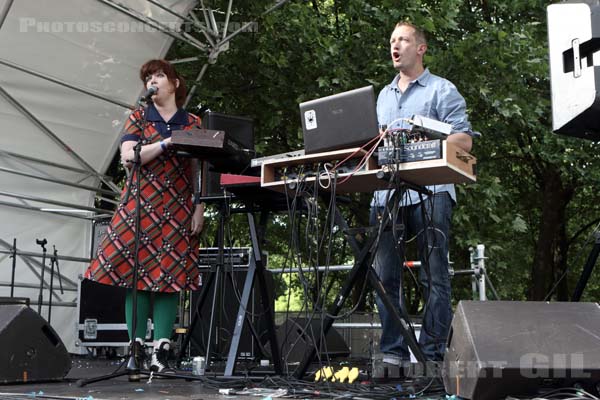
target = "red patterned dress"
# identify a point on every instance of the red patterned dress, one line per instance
(168, 254)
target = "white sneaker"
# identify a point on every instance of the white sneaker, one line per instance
(160, 356)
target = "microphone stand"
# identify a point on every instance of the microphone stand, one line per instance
(132, 369)
(42, 243)
(54, 262)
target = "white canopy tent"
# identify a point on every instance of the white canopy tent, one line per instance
(68, 77)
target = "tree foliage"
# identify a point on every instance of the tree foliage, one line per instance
(535, 202)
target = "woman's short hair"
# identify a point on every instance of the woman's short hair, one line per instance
(153, 66)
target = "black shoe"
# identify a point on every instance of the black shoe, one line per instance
(137, 360)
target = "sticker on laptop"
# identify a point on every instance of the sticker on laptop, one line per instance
(310, 119)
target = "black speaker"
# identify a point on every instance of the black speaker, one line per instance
(501, 348)
(239, 132)
(297, 335)
(230, 288)
(30, 349)
(211, 181)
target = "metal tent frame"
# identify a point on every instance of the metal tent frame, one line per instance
(35, 169)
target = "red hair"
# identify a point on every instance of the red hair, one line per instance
(153, 66)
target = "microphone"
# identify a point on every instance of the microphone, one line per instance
(147, 96)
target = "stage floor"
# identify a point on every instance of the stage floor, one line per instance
(176, 389)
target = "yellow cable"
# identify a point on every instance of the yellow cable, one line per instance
(342, 374)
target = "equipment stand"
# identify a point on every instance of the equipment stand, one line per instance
(256, 268)
(214, 279)
(53, 263)
(362, 269)
(42, 243)
(587, 269)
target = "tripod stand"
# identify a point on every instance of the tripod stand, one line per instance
(54, 263)
(42, 243)
(214, 279)
(587, 269)
(364, 253)
(256, 270)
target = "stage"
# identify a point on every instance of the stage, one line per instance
(208, 387)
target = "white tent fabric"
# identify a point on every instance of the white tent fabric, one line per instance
(46, 45)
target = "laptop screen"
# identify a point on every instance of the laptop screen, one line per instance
(340, 121)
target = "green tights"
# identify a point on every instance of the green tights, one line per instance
(165, 310)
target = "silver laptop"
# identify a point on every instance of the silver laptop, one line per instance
(341, 121)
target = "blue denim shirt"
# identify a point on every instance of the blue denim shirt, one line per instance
(430, 96)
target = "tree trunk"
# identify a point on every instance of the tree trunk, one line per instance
(555, 197)
(562, 290)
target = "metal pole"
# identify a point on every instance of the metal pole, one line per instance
(4, 12)
(60, 181)
(52, 261)
(40, 255)
(33, 286)
(65, 84)
(14, 266)
(23, 110)
(480, 259)
(56, 203)
(41, 294)
(473, 272)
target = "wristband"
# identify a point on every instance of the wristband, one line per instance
(163, 145)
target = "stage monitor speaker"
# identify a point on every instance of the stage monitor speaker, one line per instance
(295, 338)
(30, 349)
(502, 348)
(226, 309)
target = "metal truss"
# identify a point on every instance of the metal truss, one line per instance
(87, 172)
(183, 36)
(4, 11)
(217, 41)
(31, 260)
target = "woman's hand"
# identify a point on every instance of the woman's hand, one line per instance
(198, 219)
(148, 152)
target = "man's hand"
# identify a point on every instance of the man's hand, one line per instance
(462, 140)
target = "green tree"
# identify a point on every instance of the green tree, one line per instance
(535, 201)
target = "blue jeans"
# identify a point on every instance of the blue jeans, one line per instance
(388, 264)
